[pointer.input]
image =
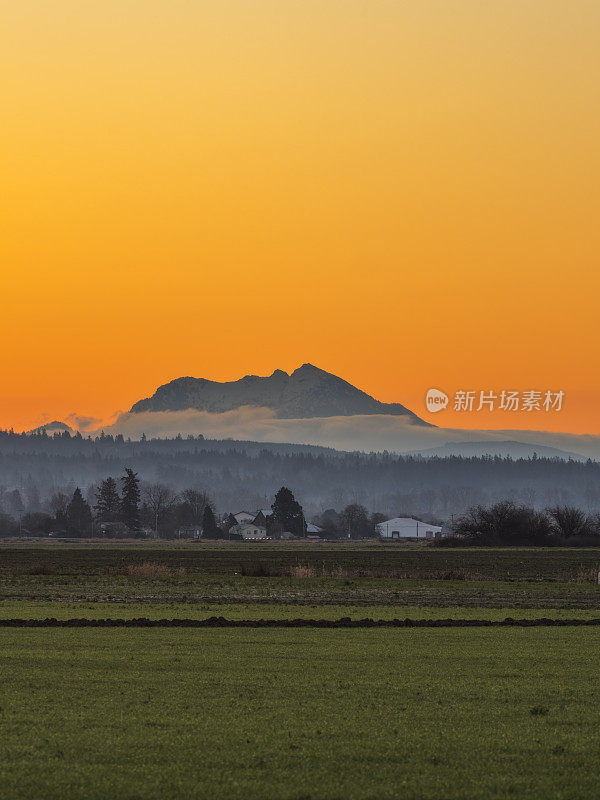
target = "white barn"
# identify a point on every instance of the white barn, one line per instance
(407, 528)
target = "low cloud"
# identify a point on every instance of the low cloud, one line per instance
(360, 432)
(83, 423)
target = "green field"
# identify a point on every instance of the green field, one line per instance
(298, 713)
(367, 595)
(36, 609)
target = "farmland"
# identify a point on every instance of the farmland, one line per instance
(363, 560)
(338, 577)
(272, 713)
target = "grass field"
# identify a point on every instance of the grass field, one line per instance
(365, 594)
(299, 714)
(550, 579)
(36, 609)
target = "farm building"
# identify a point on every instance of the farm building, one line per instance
(249, 531)
(190, 532)
(407, 528)
(313, 531)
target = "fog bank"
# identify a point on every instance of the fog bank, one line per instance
(361, 432)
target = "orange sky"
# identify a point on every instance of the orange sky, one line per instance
(404, 193)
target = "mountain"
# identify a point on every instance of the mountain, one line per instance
(307, 392)
(512, 449)
(52, 427)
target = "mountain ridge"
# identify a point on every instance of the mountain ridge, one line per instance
(305, 393)
(504, 448)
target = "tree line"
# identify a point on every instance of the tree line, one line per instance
(507, 524)
(126, 507)
(245, 474)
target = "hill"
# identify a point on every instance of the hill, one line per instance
(53, 427)
(509, 449)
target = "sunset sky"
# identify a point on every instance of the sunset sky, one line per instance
(405, 193)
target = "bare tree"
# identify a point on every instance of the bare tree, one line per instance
(196, 500)
(355, 521)
(570, 521)
(58, 505)
(159, 499)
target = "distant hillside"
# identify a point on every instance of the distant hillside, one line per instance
(307, 392)
(508, 448)
(53, 427)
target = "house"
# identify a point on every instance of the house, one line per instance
(313, 531)
(244, 516)
(249, 531)
(190, 532)
(261, 516)
(407, 528)
(117, 530)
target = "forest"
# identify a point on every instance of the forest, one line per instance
(237, 475)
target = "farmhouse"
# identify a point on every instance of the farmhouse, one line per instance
(261, 516)
(250, 531)
(244, 516)
(407, 528)
(190, 532)
(313, 531)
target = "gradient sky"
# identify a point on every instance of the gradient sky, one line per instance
(404, 193)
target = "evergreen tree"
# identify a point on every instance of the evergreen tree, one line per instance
(209, 526)
(108, 502)
(79, 515)
(130, 500)
(288, 512)
(229, 523)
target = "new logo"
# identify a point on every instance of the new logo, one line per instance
(435, 400)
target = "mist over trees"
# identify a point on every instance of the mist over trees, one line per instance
(39, 475)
